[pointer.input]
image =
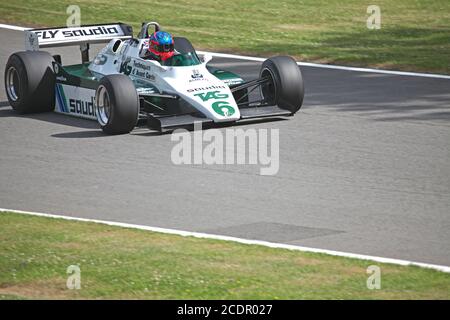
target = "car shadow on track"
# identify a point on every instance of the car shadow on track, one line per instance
(51, 117)
(95, 132)
(99, 134)
(80, 134)
(145, 132)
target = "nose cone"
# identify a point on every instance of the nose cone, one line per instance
(209, 95)
(216, 101)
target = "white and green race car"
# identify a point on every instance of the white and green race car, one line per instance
(121, 90)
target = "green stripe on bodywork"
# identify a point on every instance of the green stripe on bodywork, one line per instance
(63, 96)
(79, 75)
(80, 71)
(225, 76)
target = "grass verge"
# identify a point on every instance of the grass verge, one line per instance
(119, 263)
(414, 35)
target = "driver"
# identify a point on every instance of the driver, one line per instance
(160, 47)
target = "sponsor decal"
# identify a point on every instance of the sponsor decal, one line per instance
(140, 65)
(205, 96)
(82, 107)
(143, 74)
(205, 88)
(145, 90)
(57, 70)
(138, 69)
(196, 76)
(223, 108)
(125, 67)
(220, 107)
(59, 34)
(76, 101)
(230, 82)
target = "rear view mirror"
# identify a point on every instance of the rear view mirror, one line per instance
(206, 57)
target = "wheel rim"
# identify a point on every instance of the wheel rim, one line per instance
(12, 84)
(269, 89)
(103, 105)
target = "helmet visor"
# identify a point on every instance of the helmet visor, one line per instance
(163, 47)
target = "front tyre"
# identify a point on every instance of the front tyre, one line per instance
(285, 83)
(30, 81)
(117, 104)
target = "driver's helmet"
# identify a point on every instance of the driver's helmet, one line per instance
(161, 45)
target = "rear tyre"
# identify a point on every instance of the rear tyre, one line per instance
(285, 86)
(30, 81)
(117, 104)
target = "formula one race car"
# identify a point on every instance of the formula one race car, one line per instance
(121, 90)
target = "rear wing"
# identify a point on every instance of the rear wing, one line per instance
(82, 36)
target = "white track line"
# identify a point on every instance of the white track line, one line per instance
(306, 64)
(239, 240)
(330, 66)
(10, 27)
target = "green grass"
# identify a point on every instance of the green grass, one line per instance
(414, 35)
(125, 263)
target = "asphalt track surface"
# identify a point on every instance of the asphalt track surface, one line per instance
(364, 168)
